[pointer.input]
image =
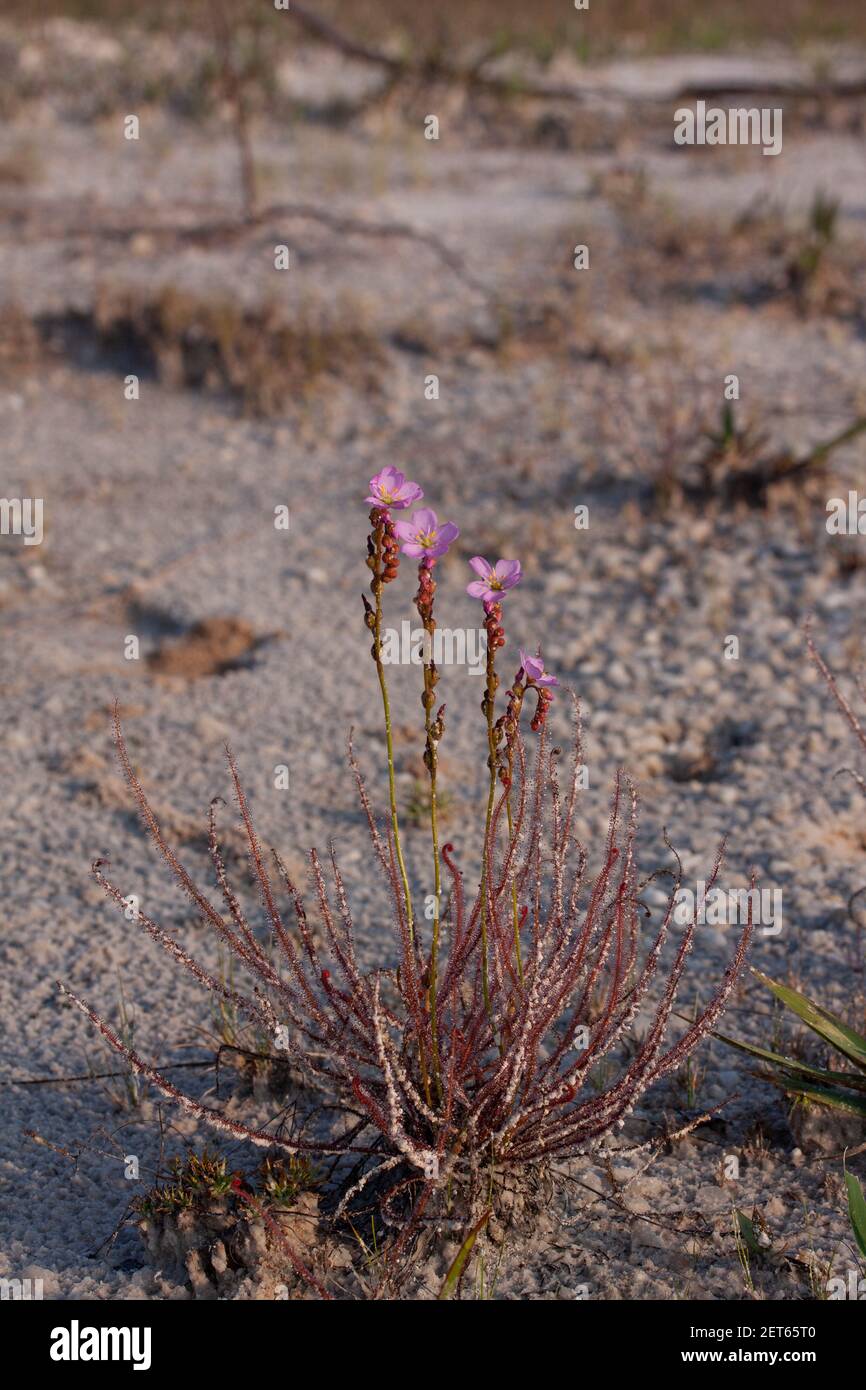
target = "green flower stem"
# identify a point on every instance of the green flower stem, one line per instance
(489, 697)
(511, 725)
(437, 885)
(374, 622)
(389, 744)
(514, 907)
(433, 731)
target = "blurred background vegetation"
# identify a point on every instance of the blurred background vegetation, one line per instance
(543, 27)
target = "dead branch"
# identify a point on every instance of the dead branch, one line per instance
(221, 233)
(800, 91)
(326, 32)
(431, 67)
(434, 68)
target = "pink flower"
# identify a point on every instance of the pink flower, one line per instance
(389, 488)
(495, 579)
(533, 668)
(424, 537)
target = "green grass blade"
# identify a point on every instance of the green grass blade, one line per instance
(832, 1029)
(857, 1210)
(748, 1234)
(836, 1080)
(452, 1277)
(837, 1100)
(797, 1070)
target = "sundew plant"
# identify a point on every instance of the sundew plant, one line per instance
(470, 1055)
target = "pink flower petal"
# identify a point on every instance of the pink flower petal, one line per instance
(425, 519)
(508, 573)
(408, 494)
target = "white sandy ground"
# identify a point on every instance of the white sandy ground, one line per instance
(174, 495)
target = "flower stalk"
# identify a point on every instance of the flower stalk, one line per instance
(531, 675)
(495, 640)
(509, 724)
(433, 729)
(490, 586)
(383, 558)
